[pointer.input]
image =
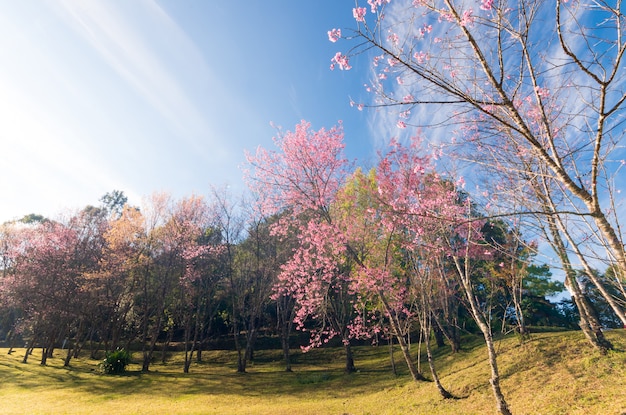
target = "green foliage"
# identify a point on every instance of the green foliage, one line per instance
(601, 307)
(115, 362)
(114, 202)
(538, 281)
(32, 218)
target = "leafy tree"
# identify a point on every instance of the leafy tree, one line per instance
(601, 308)
(114, 202)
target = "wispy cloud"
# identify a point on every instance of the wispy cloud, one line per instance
(152, 55)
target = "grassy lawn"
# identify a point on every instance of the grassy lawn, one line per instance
(553, 373)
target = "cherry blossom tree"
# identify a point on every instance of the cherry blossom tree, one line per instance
(374, 240)
(193, 264)
(302, 177)
(441, 227)
(256, 266)
(499, 83)
(117, 282)
(46, 282)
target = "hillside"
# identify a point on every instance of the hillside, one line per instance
(553, 373)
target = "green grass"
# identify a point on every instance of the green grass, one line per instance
(553, 373)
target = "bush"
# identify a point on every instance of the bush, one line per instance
(115, 362)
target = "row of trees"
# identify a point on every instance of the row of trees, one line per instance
(115, 275)
(331, 249)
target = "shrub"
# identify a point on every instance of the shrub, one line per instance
(115, 362)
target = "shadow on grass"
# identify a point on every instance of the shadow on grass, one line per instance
(316, 372)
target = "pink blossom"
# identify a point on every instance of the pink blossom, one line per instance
(445, 15)
(401, 124)
(392, 61)
(359, 13)
(542, 92)
(420, 57)
(393, 38)
(341, 60)
(334, 35)
(468, 18)
(400, 80)
(486, 4)
(408, 98)
(374, 4)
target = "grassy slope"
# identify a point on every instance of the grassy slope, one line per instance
(553, 373)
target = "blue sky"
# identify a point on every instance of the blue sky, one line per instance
(146, 96)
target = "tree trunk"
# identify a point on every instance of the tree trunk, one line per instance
(29, 348)
(284, 339)
(149, 350)
(589, 324)
(189, 350)
(166, 344)
(395, 327)
(391, 358)
(68, 356)
(11, 340)
(431, 364)
(438, 335)
(464, 274)
(349, 358)
(249, 351)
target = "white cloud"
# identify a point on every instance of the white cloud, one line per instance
(148, 54)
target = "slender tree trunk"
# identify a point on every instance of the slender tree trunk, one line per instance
(68, 356)
(241, 364)
(149, 350)
(406, 353)
(391, 357)
(350, 368)
(47, 351)
(93, 351)
(285, 320)
(464, 274)
(395, 328)
(610, 299)
(166, 345)
(284, 339)
(189, 349)
(439, 336)
(29, 348)
(589, 324)
(452, 336)
(431, 364)
(250, 342)
(11, 340)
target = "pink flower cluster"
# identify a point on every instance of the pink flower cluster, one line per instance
(359, 13)
(340, 60)
(486, 4)
(468, 18)
(334, 35)
(374, 4)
